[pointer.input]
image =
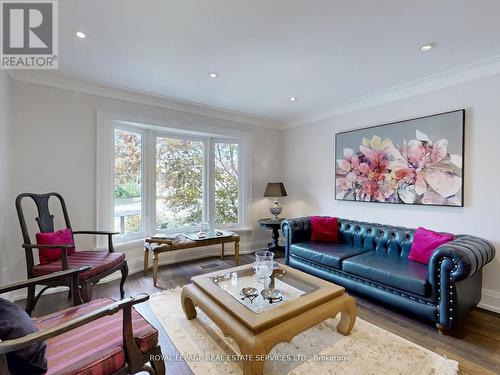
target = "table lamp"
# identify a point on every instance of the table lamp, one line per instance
(275, 190)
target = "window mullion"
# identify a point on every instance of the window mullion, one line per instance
(211, 183)
(151, 177)
(241, 184)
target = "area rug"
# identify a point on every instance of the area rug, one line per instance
(319, 350)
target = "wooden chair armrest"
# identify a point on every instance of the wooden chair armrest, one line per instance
(100, 233)
(63, 247)
(37, 246)
(16, 344)
(42, 279)
(96, 232)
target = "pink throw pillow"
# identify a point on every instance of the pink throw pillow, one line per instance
(61, 237)
(324, 229)
(425, 242)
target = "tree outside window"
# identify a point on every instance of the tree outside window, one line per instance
(195, 178)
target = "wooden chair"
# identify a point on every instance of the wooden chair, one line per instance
(102, 336)
(102, 263)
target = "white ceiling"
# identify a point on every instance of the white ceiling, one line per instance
(322, 51)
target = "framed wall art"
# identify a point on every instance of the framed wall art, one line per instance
(417, 161)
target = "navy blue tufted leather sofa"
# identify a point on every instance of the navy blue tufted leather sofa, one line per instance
(372, 259)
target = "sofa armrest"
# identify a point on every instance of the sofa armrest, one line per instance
(468, 255)
(295, 230)
(455, 277)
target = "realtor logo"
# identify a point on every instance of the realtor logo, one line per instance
(29, 34)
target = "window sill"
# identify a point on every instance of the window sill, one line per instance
(140, 241)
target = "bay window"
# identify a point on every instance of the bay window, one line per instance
(167, 181)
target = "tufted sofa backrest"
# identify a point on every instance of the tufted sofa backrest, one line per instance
(376, 237)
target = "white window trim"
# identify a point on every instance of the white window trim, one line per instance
(151, 128)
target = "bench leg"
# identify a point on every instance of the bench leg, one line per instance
(222, 251)
(237, 252)
(146, 261)
(155, 269)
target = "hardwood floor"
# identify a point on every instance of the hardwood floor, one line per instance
(475, 344)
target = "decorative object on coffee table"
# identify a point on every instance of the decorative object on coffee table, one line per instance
(275, 225)
(417, 161)
(275, 190)
(263, 265)
(258, 326)
(187, 241)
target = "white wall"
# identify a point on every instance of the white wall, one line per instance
(55, 150)
(5, 125)
(308, 168)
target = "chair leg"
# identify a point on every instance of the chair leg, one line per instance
(158, 363)
(30, 301)
(124, 271)
(86, 291)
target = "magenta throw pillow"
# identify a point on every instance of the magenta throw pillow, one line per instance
(324, 229)
(61, 237)
(425, 242)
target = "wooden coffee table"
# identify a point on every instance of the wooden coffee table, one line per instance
(307, 301)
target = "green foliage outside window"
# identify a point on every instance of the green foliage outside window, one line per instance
(179, 181)
(226, 183)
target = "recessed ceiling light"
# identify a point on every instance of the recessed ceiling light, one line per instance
(427, 46)
(292, 98)
(213, 75)
(81, 34)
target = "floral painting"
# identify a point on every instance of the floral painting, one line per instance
(417, 161)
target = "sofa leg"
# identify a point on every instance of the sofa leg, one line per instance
(442, 329)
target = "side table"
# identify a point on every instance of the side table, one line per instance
(275, 226)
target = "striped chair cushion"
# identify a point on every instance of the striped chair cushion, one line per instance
(99, 261)
(95, 348)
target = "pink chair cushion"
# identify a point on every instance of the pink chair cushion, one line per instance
(61, 237)
(324, 229)
(425, 242)
(98, 260)
(96, 347)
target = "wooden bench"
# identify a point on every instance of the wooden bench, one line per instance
(158, 246)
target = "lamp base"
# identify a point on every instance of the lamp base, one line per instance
(275, 210)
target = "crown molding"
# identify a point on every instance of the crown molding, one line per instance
(452, 77)
(140, 97)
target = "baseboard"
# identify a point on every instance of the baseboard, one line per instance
(490, 300)
(135, 261)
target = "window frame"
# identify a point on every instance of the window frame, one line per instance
(150, 131)
(154, 135)
(144, 181)
(213, 141)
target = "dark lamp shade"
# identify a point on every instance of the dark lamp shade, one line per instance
(275, 189)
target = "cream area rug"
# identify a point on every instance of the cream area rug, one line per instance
(319, 350)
